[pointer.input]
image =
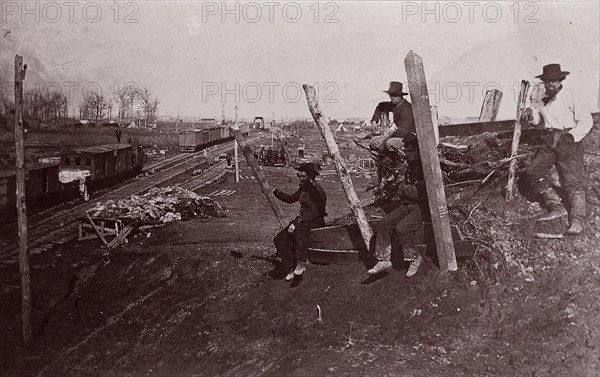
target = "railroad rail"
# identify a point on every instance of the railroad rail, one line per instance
(45, 232)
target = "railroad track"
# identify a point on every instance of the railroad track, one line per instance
(61, 227)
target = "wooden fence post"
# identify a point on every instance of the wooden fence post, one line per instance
(430, 160)
(340, 166)
(490, 105)
(259, 175)
(21, 205)
(436, 124)
(512, 167)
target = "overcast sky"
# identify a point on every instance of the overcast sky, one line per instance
(196, 55)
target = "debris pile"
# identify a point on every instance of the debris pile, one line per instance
(159, 205)
(482, 157)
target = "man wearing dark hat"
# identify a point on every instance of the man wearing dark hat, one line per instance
(292, 242)
(565, 123)
(405, 220)
(403, 119)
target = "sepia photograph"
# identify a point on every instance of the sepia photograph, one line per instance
(299, 188)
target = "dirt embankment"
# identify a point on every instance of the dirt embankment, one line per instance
(196, 298)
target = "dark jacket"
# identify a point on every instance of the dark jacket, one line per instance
(312, 198)
(403, 117)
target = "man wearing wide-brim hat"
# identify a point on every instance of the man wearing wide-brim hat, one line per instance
(565, 123)
(403, 119)
(292, 242)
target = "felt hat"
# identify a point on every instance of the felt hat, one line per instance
(310, 168)
(395, 89)
(552, 72)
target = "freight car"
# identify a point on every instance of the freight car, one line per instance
(198, 139)
(107, 164)
(42, 190)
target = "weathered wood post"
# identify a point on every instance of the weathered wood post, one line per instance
(235, 157)
(235, 150)
(384, 124)
(490, 105)
(259, 175)
(436, 124)
(417, 84)
(21, 205)
(340, 166)
(512, 167)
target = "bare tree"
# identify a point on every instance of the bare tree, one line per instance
(94, 107)
(149, 105)
(126, 97)
(45, 104)
(6, 80)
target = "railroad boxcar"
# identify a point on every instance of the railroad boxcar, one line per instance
(107, 164)
(190, 140)
(42, 189)
(215, 134)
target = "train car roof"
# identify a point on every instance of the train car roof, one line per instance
(98, 149)
(29, 167)
(190, 131)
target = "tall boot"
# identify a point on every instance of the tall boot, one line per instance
(578, 215)
(552, 202)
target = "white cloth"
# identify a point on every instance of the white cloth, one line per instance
(563, 113)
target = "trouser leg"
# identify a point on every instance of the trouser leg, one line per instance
(536, 174)
(285, 248)
(570, 169)
(383, 233)
(406, 231)
(301, 237)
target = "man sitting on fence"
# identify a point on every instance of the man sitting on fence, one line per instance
(292, 242)
(412, 209)
(403, 119)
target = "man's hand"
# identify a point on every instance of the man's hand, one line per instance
(291, 228)
(373, 123)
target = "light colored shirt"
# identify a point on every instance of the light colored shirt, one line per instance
(563, 113)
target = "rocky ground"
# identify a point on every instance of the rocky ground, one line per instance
(195, 298)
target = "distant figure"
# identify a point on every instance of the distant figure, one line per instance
(119, 133)
(129, 141)
(282, 156)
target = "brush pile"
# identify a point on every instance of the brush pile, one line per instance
(159, 205)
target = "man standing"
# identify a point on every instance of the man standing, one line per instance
(565, 123)
(403, 119)
(118, 133)
(292, 242)
(406, 219)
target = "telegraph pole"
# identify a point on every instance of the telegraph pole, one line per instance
(235, 150)
(21, 207)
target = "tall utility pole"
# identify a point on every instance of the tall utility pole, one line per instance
(235, 150)
(223, 114)
(21, 207)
